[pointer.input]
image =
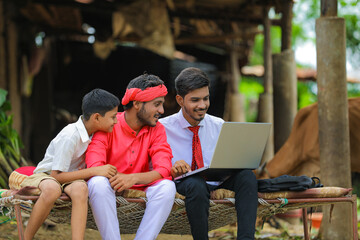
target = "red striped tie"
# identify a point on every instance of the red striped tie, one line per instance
(197, 159)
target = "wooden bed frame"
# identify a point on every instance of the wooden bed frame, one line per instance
(291, 203)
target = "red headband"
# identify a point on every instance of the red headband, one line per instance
(148, 94)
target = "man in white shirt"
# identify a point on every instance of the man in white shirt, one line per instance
(184, 131)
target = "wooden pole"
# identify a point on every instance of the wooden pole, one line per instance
(268, 80)
(42, 112)
(285, 96)
(266, 108)
(286, 25)
(237, 113)
(3, 70)
(329, 8)
(285, 81)
(334, 140)
(13, 68)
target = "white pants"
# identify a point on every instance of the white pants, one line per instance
(102, 199)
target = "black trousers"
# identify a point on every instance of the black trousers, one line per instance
(197, 193)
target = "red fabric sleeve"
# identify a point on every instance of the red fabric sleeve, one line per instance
(160, 152)
(97, 150)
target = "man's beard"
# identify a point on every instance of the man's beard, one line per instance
(143, 117)
(191, 114)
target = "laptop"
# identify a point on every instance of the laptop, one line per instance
(239, 146)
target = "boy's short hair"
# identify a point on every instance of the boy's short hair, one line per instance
(190, 79)
(98, 101)
(143, 81)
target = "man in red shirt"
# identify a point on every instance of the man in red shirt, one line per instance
(137, 146)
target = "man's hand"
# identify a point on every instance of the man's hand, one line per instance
(106, 170)
(121, 181)
(180, 167)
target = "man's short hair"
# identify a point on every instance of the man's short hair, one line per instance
(143, 81)
(190, 79)
(98, 101)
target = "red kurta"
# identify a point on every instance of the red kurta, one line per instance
(131, 153)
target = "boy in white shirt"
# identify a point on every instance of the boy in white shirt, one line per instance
(63, 167)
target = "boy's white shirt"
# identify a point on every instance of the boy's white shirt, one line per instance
(66, 152)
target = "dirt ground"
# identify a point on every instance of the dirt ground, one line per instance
(8, 231)
(285, 230)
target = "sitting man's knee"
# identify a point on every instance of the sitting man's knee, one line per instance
(196, 186)
(170, 188)
(165, 190)
(99, 185)
(246, 177)
(98, 182)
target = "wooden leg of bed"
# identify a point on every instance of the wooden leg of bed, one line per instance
(305, 222)
(19, 221)
(354, 217)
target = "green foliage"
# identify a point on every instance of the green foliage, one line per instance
(307, 93)
(256, 55)
(353, 89)
(3, 217)
(10, 143)
(251, 88)
(303, 29)
(298, 34)
(353, 38)
(358, 210)
(307, 11)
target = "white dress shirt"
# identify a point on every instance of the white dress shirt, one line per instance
(66, 151)
(180, 137)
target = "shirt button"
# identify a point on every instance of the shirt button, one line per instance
(132, 151)
(131, 165)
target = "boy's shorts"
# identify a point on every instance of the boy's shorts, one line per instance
(35, 180)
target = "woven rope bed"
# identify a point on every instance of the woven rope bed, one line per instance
(131, 206)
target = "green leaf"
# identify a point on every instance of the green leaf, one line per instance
(3, 94)
(5, 164)
(6, 106)
(3, 174)
(10, 142)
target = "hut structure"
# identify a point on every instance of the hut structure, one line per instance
(52, 52)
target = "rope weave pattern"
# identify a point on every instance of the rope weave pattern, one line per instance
(8, 204)
(130, 213)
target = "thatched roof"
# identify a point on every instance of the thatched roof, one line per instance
(158, 25)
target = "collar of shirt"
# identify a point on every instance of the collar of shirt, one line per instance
(180, 137)
(82, 130)
(128, 129)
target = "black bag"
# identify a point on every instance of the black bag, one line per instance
(288, 183)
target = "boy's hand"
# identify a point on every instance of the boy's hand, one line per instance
(179, 168)
(106, 171)
(121, 181)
